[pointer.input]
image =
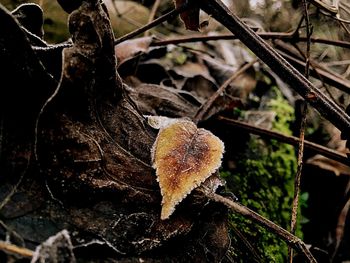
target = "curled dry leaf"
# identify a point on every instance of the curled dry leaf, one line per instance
(184, 157)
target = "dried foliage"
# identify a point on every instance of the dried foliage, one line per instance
(85, 152)
(184, 157)
(90, 166)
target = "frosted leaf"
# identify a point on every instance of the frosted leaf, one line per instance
(184, 157)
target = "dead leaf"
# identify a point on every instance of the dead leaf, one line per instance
(131, 48)
(192, 69)
(335, 143)
(220, 70)
(200, 87)
(263, 119)
(157, 100)
(184, 157)
(189, 17)
(329, 165)
(339, 230)
(145, 72)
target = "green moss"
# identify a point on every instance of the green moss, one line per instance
(264, 181)
(284, 113)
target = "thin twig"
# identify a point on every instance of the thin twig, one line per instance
(297, 179)
(325, 7)
(290, 239)
(152, 14)
(114, 13)
(288, 37)
(209, 103)
(326, 107)
(314, 67)
(295, 33)
(317, 71)
(15, 187)
(336, 63)
(338, 19)
(10, 248)
(10, 232)
(308, 42)
(315, 148)
(13, 190)
(344, 27)
(154, 23)
(246, 242)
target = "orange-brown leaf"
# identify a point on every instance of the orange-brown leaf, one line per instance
(184, 157)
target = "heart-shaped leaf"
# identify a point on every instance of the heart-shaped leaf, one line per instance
(184, 157)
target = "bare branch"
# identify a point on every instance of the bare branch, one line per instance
(292, 240)
(206, 106)
(288, 37)
(317, 149)
(154, 23)
(279, 65)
